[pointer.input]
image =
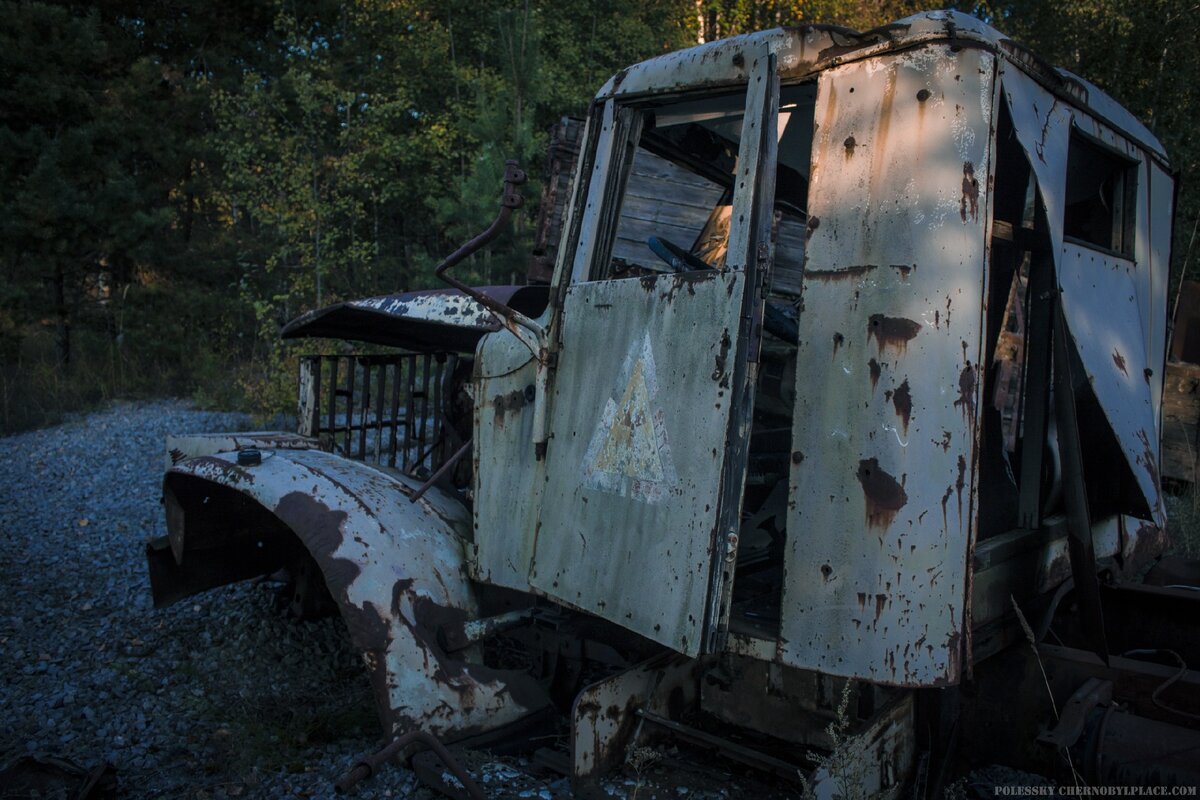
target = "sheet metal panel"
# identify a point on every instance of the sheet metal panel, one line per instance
(1155, 284)
(1100, 300)
(395, 570)
(600, 178)
(508, 478)
(639, 412)
(882, 516)
(1115, 307)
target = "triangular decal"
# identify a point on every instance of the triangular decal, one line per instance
(628, 454)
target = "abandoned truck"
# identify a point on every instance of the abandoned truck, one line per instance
(844, 389)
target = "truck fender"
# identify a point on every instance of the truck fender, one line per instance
(396, 569)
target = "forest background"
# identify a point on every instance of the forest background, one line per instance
(179, 178)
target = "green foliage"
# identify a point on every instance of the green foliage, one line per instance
(1136, 50)
(182, 180)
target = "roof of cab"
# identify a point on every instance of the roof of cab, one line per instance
(805, 50)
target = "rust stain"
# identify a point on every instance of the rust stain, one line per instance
(894, 332)
(720, 374)
(945, 501)
(1058, 571)
(884, 495)
(511, 402)
(1146, 459)
(1119, 360)
(966, 392)
(879, 147)
(959, 483)
(456, 675)
(1148, 544)
(969, 205)
(904, 269)
(231, 472)
(902, 401)
(844, 273)
(880, 602)
(873, 368)
(944, 442)
(849, 144)
(838, 341)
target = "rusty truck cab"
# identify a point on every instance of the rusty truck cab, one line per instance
(851, 362)
(823, 499)
(802, 404)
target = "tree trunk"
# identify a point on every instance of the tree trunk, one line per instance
(62, 325)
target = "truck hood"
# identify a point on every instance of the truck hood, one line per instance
(433, 319)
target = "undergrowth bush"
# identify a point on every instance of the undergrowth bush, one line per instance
(35, 390)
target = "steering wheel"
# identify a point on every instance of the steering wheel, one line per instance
(678, 259)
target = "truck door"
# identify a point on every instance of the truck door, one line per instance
(883, 512)
(650, 399)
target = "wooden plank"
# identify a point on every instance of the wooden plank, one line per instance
(656, 210)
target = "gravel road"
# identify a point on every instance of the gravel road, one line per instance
(217, 696)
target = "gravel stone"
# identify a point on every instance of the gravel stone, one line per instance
(217, 696)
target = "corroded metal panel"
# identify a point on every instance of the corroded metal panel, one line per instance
(1153, 285)
(431, 319)
(640, 409)
(508, 477)
(604, 720)
(1100, 301)
(882, 516)
(395, 569)
(181, 446)
(1115, 306)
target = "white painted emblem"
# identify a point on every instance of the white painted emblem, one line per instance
(628, 454)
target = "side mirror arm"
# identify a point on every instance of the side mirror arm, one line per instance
(528, 331)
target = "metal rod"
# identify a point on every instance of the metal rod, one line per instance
(438, 433)
(526, 330)
(1035, 413)
(333, 387)
(425, 362)
(442, 470)
(365, 408)
(380, 399)
(396, 373)
(368, 765)
(351, 376)
(1080, 548)
(731, 749)
(409, 428)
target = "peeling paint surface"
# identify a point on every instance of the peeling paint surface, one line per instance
(604, 715)
(620, 507)
(508, 478)
(431, 319)
(885, 496)
(396, 571)
(629, 454)
(1115, 306)
(184, 446)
